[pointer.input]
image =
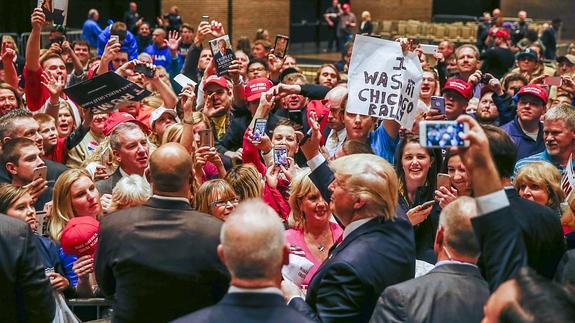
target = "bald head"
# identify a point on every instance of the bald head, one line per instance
(169, 165)
(336, 94)
(455, 219)
(336, 97)
(252, 241)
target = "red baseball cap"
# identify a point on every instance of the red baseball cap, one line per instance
(501, 32)
(254, 89)
(80, 236)
(346, 6)
(115, 118)
(460, 86)
(217, 80)
(534, 90)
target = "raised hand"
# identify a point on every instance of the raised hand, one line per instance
(7, 54)
(188, 102)
(173, 41)
(217, 29)
(55, 85)
(38, 19)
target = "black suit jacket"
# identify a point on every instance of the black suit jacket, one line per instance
(159, 261)
(321, 178)
(542, 233)
(346, 287)
(525, 233)
(247, 308)
(448, 293)
(25, 291)
(106, 186)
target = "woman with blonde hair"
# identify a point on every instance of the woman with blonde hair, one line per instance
(74, 195)
(216, 197)
(65, 122)
(311, 228)
(540, 182)
(129, 192)
(246, 181)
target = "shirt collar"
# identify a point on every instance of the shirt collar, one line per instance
(450, 262)
(171, 198)
(353, 226)
(266, 290)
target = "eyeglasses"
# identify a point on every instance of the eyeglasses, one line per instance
(222, 203)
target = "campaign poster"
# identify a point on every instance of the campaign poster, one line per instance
(55, 11)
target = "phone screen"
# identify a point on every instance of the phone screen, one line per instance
(280, 156)
(259, 130)
(443, 180)
(553, 80)
(442, 134)
(281, 46)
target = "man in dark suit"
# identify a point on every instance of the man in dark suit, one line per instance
(130, 147)
(223, 50)
(253, 249)
(538, 226)
(454, 289)
(158, 261)
(19, 123)
(377, 250)
(25, 291)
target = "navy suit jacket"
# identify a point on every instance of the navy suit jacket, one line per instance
(525, 233)
(247, 307)
(346, 287)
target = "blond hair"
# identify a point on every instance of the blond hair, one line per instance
(130, 191)
(371, 179)
(173, 133)
(246, 181)
(62, 210)
(210, 191)
(545, 175)
(301, 186)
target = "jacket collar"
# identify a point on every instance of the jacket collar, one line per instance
(159, 203)
(253, 299)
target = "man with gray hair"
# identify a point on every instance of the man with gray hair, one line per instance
(130, 148)
(559, 136)
(253, 248)
(454, 289)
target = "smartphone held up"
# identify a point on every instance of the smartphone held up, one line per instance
(442, 134)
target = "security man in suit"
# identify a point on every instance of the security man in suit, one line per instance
(159, 261)
(253, 249)
(454, 289)
(25, 291)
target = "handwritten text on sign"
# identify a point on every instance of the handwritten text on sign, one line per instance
(383, 82)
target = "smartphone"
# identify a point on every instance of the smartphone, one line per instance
(41, 171)
(148, 72)
(184, 80)
(296, 116)
(442, 134)
(259, 129)
(281, 46)
(438, 103)
(428, 49)
(206, 18)
(443, 180)
(40, 222)
(280, 156)
(426, 205)
(206, 138)
(115, 38)
(553, 80)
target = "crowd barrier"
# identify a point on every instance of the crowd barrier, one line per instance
(92, 308)
(22, 39)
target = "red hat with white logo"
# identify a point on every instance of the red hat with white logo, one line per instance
(534, 90)
(80, 236)
(217, 80)
(460, 86)
(254, 89)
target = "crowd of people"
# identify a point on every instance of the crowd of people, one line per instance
(200, 218)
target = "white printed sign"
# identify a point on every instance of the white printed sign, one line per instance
(383, 82)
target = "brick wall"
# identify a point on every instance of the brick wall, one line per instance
(247, 15)
(394, 9)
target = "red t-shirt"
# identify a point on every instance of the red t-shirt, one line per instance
(59, 153)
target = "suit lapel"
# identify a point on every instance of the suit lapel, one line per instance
(370, 226)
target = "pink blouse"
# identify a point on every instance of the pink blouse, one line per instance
(296, 238)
